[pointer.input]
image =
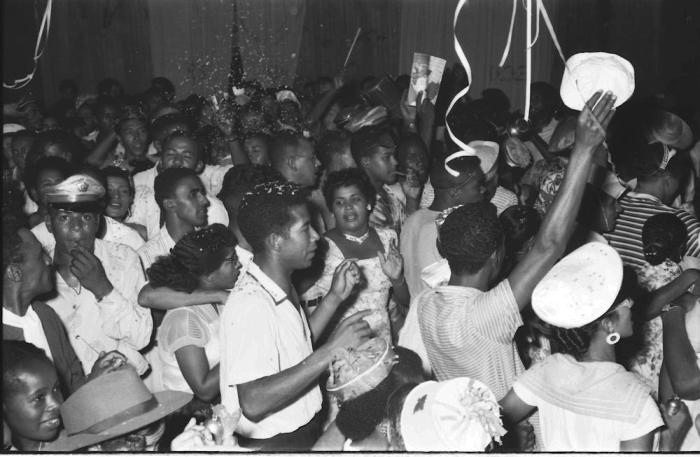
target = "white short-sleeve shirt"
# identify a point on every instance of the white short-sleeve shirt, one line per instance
(263, 333)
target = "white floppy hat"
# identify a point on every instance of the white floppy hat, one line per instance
(460, 414)
(580, 288)
(486, 151)
(590, 72)
(672, 131)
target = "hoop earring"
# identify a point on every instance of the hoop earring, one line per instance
(612, 338)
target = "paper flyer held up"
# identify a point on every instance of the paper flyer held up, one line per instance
(426, 75)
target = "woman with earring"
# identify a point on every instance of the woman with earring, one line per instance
(351, 197)
(585, 399)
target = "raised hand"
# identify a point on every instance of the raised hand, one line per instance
(345, 277)
(594, 120)
(351, 332)
(392, 262)
(89, 270)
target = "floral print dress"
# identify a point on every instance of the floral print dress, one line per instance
(374, 289)
(646, 364)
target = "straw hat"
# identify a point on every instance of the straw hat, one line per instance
(357, 371)
(594, 71)
(580, 288)
(461, 415)
(112, 405)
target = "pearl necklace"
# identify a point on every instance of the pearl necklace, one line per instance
(357, 239)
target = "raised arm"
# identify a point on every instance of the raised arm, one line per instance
(560, 220)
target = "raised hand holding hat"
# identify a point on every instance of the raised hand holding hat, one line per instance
(589, 72)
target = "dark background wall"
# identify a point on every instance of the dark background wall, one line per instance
(189, 40)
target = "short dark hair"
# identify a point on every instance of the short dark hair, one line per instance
(469, 236)
(662, 236)
(167, 181)
(163, 84)
(163, 123)
(346, 178)
(187, 135)
(243, 178)
(332, 143)
(48, 138)
(364, 142)
(16, 355)
(280, 146)
(197, 254)
(266, 210)
(31, 174)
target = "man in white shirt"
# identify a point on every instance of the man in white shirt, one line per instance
(181, 197)
(268, 366)
(97, 282)
(179, 150)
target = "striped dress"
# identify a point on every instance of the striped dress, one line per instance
(627, 236)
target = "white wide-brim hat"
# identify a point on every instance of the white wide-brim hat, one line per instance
(580, 288)
(589, 72)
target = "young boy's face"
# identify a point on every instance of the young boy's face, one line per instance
(31, 403)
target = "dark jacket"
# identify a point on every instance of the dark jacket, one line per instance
(70, 370)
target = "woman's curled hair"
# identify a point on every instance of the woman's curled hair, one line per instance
(198, 254)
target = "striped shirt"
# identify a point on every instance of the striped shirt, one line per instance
(468, 332)
(636, 209)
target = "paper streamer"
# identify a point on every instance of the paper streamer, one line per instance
(541, 11)
(466, 150)
(43, 31)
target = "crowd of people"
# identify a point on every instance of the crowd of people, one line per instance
(322, 268)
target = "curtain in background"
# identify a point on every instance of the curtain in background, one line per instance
(329, 30)
(191, 43)
(270, 36)
(92, 40)
(482, 30)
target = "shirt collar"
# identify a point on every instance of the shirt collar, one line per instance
(168, 241)
(270, 286)
(14, 320)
